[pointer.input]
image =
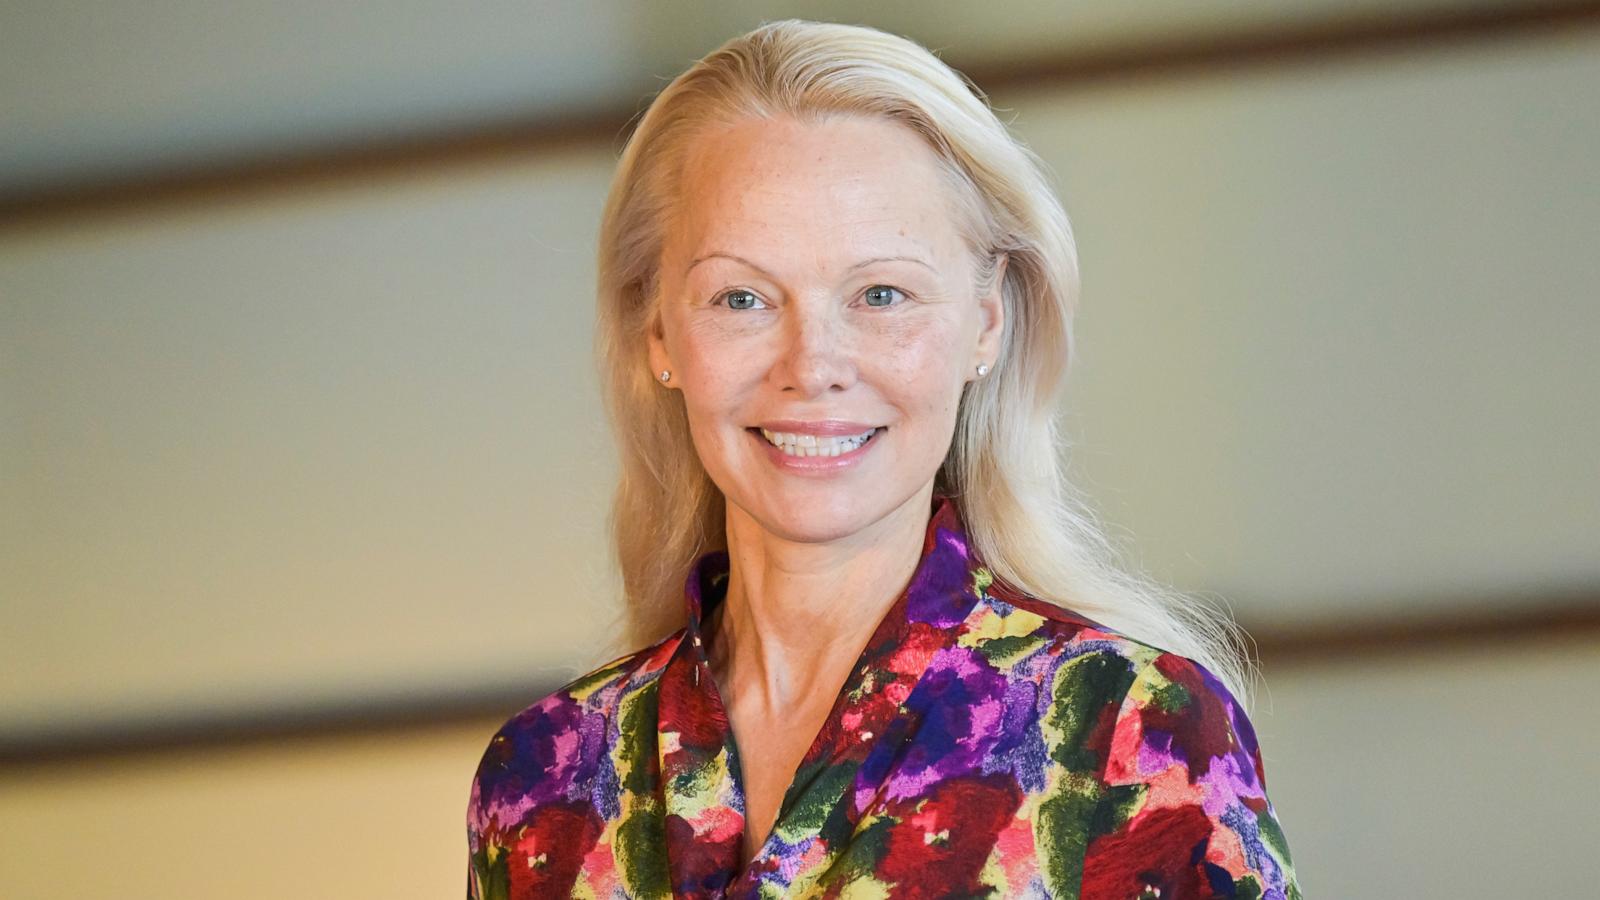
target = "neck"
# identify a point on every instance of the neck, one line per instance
(796, 614)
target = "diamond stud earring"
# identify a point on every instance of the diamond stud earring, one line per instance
(665, 376)
(983, 369)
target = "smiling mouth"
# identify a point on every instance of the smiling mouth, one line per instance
(815, 444)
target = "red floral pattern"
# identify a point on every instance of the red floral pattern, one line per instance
(987, 744)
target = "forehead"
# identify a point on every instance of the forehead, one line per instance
(843, 186)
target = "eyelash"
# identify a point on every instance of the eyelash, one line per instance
(722, 298)
(887, 287)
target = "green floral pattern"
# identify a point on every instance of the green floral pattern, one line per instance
(988, 744)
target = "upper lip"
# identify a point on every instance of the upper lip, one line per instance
(821, 428)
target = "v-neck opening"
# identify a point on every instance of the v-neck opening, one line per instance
(892, 622)
(935, 574)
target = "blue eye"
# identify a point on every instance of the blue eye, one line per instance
(739, 298)
(880, 295)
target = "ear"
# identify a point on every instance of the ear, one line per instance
(992, 316)
(656, 339)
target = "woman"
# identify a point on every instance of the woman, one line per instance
(835, 302)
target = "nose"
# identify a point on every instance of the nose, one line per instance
(817, 355)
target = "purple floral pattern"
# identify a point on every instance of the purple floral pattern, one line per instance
(987, 744)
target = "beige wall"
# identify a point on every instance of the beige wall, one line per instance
(292, 449)
(341, 444)
(1467, 772)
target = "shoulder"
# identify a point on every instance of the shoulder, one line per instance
(1184, 809)
(1180, 803)
(553, 749)
(1152, 776)
(597, 694)
(1118, 690)
(1037, 637)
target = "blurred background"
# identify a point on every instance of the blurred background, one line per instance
(303, 472)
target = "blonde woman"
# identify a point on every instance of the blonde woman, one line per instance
(835, 311)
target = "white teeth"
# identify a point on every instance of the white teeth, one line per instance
(815, 445)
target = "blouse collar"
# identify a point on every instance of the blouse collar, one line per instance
(872, 715)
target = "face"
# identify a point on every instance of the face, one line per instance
(819, 312)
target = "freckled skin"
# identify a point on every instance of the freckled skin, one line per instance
(801, 204)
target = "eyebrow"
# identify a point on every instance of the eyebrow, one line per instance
(717, 254)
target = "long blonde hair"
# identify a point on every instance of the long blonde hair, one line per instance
(1025, 521)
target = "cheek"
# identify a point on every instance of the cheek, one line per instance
(715, 380)
(715, 343)
(919, 367)
(707, 395)
(700, 353)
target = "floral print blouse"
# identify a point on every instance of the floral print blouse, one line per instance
(987, 744)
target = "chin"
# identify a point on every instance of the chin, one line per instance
(815, 514)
